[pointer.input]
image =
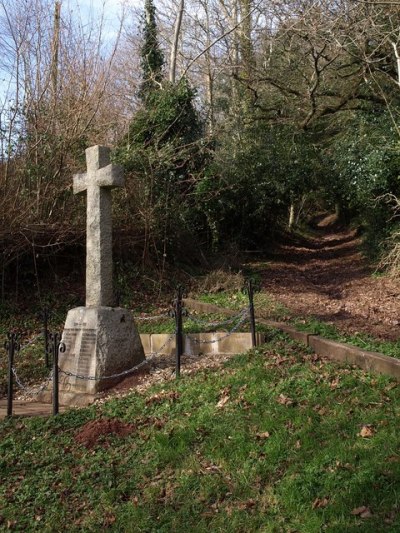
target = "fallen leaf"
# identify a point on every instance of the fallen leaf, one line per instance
(284, 400)
(242, 506)
(320, 502)
(367, 431)
(162, 396)
(263, 435)
(335, 383)
(223, 401)
(362, 512)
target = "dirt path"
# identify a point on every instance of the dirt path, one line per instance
(326, 277)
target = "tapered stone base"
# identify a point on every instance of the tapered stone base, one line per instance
(99, 342)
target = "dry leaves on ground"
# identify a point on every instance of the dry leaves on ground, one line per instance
(284, 400)
(162, 397)
(367, 431)
(362, 512)
(224, 397)
(264, 435)
(320, 502)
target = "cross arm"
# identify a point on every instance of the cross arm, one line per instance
(110, 176)
(79, 183)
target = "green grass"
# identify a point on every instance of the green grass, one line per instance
(266, 307)
(196, 323)
(362, 340)
(236, 300)
(270, 442)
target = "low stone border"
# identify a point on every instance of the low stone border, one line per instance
(337, 351)
(199, 343)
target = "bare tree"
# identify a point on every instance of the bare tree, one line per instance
(56, 101)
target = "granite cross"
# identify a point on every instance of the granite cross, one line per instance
(100, 177)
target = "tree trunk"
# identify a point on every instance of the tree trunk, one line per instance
(55, 51)
(291, 216)
(175, 41)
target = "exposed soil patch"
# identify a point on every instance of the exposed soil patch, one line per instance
(133, 380)
(327, 278)
(97, 431)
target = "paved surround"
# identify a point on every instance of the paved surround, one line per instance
(22, 408)
(337, 351)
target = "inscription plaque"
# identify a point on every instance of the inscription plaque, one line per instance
(80, 345)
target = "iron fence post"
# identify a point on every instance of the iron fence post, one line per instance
(179, 332)
(57, 346)
(250, 289)
(11, 345)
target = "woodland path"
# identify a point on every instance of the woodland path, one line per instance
(326, 277)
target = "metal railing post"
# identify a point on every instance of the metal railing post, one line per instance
(57, 346)
(250, 289)
(11, 345)
(179, 333)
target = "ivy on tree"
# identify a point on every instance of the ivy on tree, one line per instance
(152, 58)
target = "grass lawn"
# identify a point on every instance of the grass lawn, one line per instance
(267, 308)
(274, 441)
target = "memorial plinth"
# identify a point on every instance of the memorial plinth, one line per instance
(100, 340)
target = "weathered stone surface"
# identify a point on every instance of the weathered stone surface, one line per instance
(237, 342)
(370, 361)
(145, 339)
(200, 343)
(160, 344)
(99, 342)
(97, 182)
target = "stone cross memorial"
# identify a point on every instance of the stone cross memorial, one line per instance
(100, 178)
(101, 340)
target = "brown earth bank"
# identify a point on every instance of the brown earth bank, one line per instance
(325, 276)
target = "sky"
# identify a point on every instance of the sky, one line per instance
(85, 10)
(94, 8)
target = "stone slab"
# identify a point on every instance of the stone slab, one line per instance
(236, 342)
(22, 408)
(145, 339)
(200, 343)
(161, 344)
(370, 361)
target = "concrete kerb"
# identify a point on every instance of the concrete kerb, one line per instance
(337, 351)
(196, 344)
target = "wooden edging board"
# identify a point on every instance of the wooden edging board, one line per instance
(338, 351)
